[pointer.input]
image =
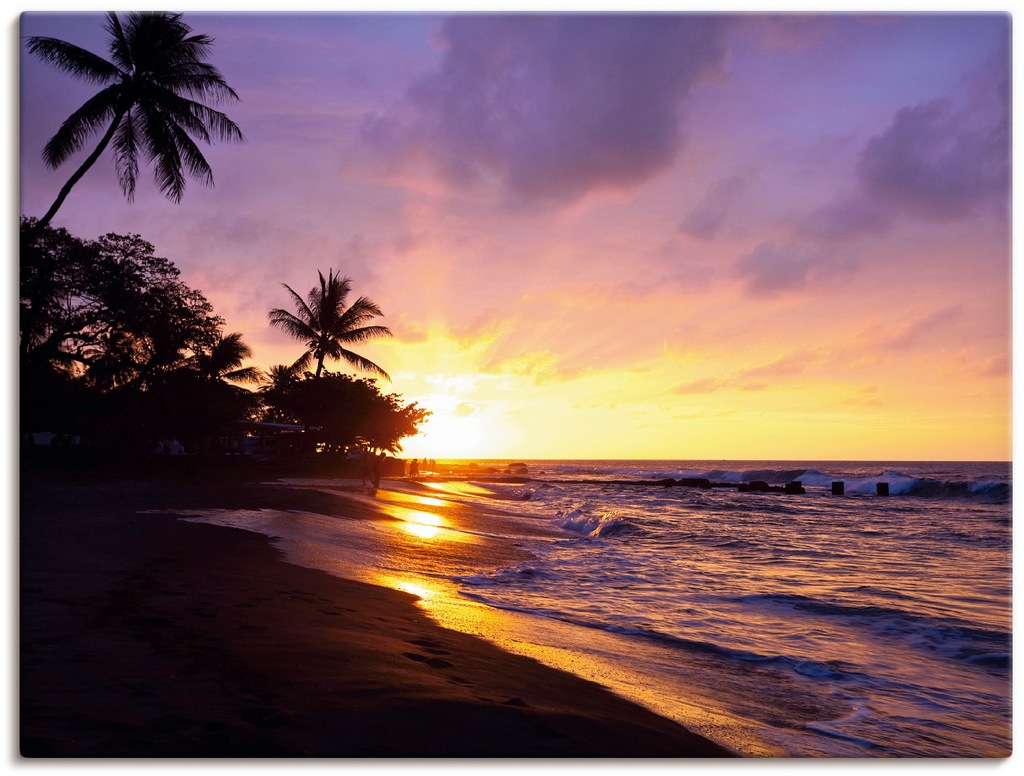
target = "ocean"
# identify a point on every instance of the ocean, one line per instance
(832, 622)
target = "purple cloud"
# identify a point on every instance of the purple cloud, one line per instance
(849, 216)
(937, 160)
(771, 270)
(553, 106)
(706, 219)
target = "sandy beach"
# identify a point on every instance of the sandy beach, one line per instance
(142, 635)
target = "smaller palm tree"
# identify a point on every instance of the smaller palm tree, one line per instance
(324, 323)
(278, 377)
(224, 361)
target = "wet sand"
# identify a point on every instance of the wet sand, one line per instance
(142, 635)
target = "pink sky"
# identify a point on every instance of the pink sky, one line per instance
(684, 236)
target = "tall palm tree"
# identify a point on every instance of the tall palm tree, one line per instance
(325, 324)
(156, 68)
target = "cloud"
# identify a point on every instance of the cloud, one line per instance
(790, 364)
(706, 219)
(999, 366)
(703, 385)
(542, 367)
(752, 379)
(866, 396)
(849, 216)
(771, 270)
(913, 332)
(937, 160)
(554, 106)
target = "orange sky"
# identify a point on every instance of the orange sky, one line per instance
(731, 238)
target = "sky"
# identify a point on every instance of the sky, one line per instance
(667, 236)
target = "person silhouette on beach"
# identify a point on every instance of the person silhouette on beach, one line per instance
(375, 466)
(364, 466)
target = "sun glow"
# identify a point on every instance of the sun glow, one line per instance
(458, 428)
(451, 436)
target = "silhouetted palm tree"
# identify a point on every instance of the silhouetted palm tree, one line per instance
(224, 361)
(278, 377)
(146, 105)
(325, 324)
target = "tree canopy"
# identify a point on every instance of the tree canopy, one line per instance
(116, 348)
(348, 412)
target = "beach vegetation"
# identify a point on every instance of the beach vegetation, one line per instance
(116, 347)
(275, 391)
(108, 311)
(117, 350)
(325, 324)
(155, 102)
(347, 412)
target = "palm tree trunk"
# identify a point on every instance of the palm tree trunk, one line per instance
(81, 171)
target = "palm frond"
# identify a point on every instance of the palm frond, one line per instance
(304, 313)
(159, 146)
(364, 364)
(120, 51)
(72, 59)
(302, 363)
(291, 324)
(249, 374)
(190, 155)
(126, 155)
(94, 115)
(367, 333)
(213, 123)
(361, 311)
(231, 351)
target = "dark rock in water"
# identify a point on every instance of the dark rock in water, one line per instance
(758, 486)
(794, 488)
(695, 482)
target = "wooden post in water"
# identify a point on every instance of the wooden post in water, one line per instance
(838, 488)
(882, 488)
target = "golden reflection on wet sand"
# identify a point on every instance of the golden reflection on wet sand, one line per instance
(540, 639)
(425, 545)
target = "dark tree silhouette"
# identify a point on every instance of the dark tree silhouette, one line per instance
(326, 325)
(347, 412)
(107, 310)
(117, 349)
(155, 70)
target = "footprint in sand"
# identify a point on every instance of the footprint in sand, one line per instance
(433, 647)
(433, 662)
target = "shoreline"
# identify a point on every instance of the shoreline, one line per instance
(144, 635)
